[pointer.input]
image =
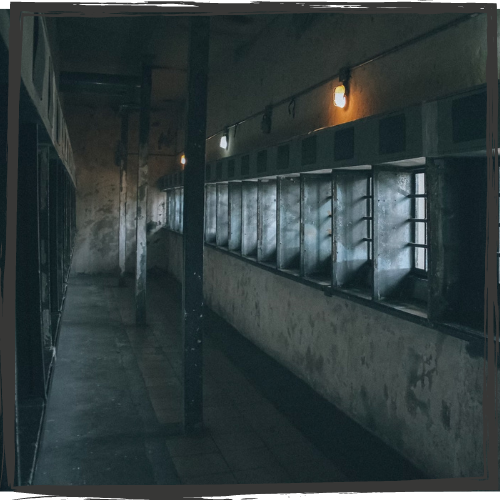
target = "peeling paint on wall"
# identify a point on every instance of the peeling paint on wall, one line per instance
(426, 402)
(95, 132)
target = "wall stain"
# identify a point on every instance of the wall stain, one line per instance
(313, 364)
(413, 403)
(415, 374)
(446, 415)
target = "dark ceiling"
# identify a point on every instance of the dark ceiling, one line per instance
(118, 45)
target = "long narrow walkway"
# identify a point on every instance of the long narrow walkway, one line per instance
(117, 391)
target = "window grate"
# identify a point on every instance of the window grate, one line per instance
(419, 220)
(369, 217)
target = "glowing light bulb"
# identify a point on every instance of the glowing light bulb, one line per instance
(223, 141)
(339, 98)
(183, 159)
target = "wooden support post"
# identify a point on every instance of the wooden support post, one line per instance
(194, 180)
(122, 232)
(30, 373)
(142, 198)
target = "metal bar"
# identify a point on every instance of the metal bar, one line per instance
(60, 233)
(44, 238)
(70, 229)
(302, 226)
(222, 215)
(234, 216)
(53, 246)
(279, 238)
(424, 195)
(30, 373)
(369, 218)
(412, 219)
(142, 198)
(122, 230)
(417, 245)
(194, 180)
(259, 220)
(66, 224)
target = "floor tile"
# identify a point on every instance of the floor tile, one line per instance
(273, 475)
(168, 415)
(279, 435)
(199, 465)
(247, 440)
(298, 451)
(238, 441)
(314, 471)
(229, 424)
(184, 445)
(250, 459)
(263, 416)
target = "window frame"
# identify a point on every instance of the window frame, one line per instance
(414, 220)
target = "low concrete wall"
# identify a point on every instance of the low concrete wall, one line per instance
(417, 389)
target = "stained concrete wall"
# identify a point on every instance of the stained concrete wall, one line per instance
(414, 387)
(95, 132)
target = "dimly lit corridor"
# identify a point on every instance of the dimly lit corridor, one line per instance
(116, 408)
(116, 402)
(249, 249)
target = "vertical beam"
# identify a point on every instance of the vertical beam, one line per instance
(73, 220)
(211, 214)
(60, 234)
(67, 214)
(53, 246)
(31, 379)
(8, 433)
(302, 246)
(44, 249)
(222, 220)
(266, 221)
(66, 225)
(122, 231)
(192, 293)
(234, 216)
(249, 218)
(142, 198)
(288, 223)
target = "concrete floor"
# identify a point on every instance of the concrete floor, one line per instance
(116, 396)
